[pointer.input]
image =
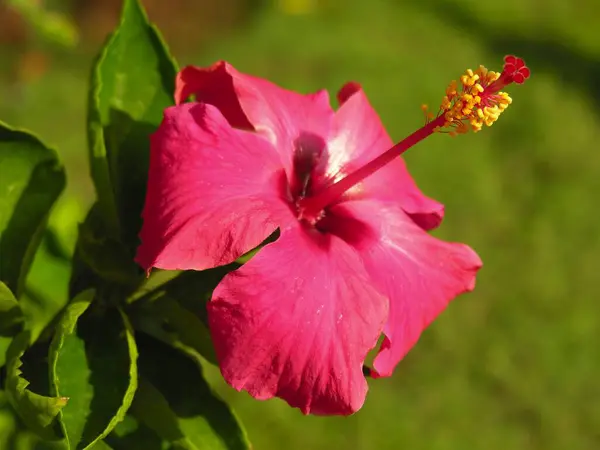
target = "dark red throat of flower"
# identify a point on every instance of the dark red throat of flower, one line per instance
(468, 105)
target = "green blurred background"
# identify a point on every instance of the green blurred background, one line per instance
(514, 365)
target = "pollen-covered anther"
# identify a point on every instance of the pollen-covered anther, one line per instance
(429, 116)
(476, 99)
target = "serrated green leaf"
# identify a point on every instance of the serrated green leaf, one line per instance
(11, 316)
(178, 404)
(132, 83)
(15, 436)
(37, 411)
(93, 361)
(32, 179)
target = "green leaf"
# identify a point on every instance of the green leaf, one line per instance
(171, 306)
(61, 234)
(46, 292)
(14, 435)
(11, 319)
(105, 256)
(191, 288)
(133, 81)
(93, 361)
(153, 284)
(178, 404)
(130, 434)
(11, 316)
(4, 344)
(175, 311)
(102, 445)
(32, 179)
(8, 421)
(37, 411)
(166, 320)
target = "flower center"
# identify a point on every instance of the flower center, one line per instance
(470, 104)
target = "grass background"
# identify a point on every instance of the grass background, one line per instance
(516, 364)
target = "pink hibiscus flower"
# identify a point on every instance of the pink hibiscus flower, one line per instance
(353, 259)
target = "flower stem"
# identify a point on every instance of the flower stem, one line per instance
(312, 206)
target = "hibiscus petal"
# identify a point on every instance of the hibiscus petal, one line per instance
(419, 273)
(359, 138)
(250, 102)
(214, 192)
(297, 321)
(212, 85)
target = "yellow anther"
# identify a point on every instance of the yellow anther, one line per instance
(446, 103)
(466, 106)
(451, 89)
(462, 128)
(469, 104)
(453, 85)
(429, 116)
(492, 76)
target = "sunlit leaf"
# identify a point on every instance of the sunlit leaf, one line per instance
(132, 83)
(31, 181)
(61, 234)
(11, 319)
(4, 344)
(46, 292)
(10, 312)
